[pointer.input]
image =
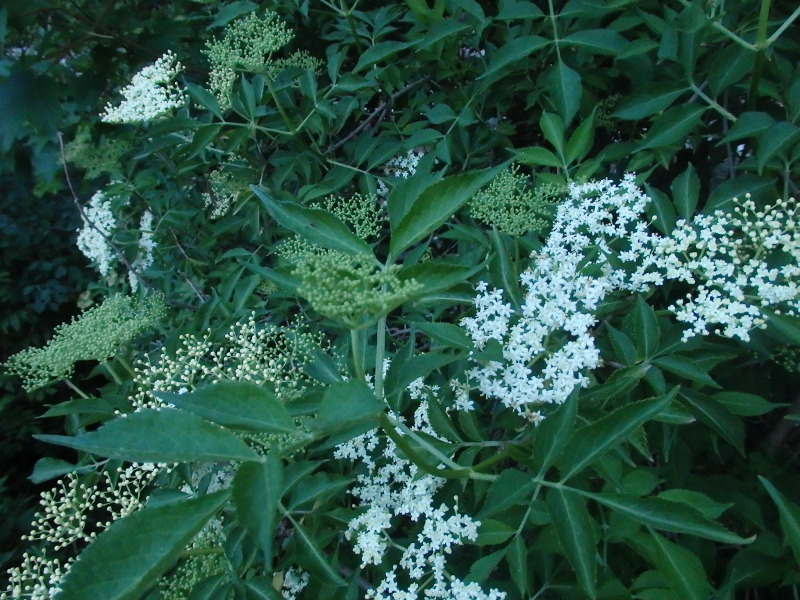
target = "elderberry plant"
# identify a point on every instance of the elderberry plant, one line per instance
(446, 318)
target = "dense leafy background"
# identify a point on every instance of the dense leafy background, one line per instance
(700, 99)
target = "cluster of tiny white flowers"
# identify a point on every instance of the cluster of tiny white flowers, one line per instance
(147, 245)
(37, 578)
(394, 487)
(73, 512)
(294, 581)
(400, 166)
(738, 265)
(99, 224)
(149, 95)
(259, 353)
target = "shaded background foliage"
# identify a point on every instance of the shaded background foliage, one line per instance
(702, 99)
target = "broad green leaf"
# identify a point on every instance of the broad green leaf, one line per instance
(259, 588)
(552, 127)
(685, 367)
(536, 155)
(441, 113)
(593, 441)
(581, 140)
(680, 568)
(575, 530)
(49, 468)
(673, 126)
(745, 405)
(648, 100)
(159, 435)
(231, 11)
(566, 89)
(257, 489)
(685, 190)
(777, 138)
(517, 558)
(310, 556)
(128, 558)
(706, 506)
(553, 434)
(492, 533)
(447, 334)
(722, 197)
(662, 209)
(716, 416)
(790, 516)
(596, 41)
(401, 375)
(204, 98)
(748, 124)
(623, 346)
(503, 267)
(666, 515)
(513, 51)
(787, 326)
(279, 277)
(237, 404)
(511, 487)
(316, 225)
(317, 486)
(645, 328)
(379, 52)
(435, 205)
(483, 567)
(437, 276)
(519, 10)
(439, 31)
(731, 65)
(345, 404)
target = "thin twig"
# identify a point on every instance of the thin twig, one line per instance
(380, 111)
(91, 224)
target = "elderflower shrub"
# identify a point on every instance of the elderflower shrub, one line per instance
(96, 334)
(150, 95)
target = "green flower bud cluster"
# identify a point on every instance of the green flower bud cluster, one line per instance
(352, 289)
(512, 204)
(95, 334)
(361, 212)
(96, 159)
(248, 45)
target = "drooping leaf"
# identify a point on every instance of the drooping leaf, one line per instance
(666, 515)
(596, 41)
(680, 568)
(673, 126)
(593, 441)
(257, 489)
(311, 557)
(575, 530)
(315, 224)
(345, 404)
(237, 404)
(716, 416)
(159, 435)
(553, 434)
(511, 487)
(435, 205)
(685, 192)
(565, 87)
(789, 514)
(649, 99)
(511, 52)
(128, 558)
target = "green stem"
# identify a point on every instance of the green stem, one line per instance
(125, 364)
(75, 389)
(286, 120)
(348, 14)
(356, 342)
(712, 103)
(113, 373)
(783, 27)
(761, 46)
(379, 354)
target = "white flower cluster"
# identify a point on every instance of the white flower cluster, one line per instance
(400, 166)
(294, 581)
(149, 95)
(147, 245)
(394, 487)
(99, 224)
(738, 264)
